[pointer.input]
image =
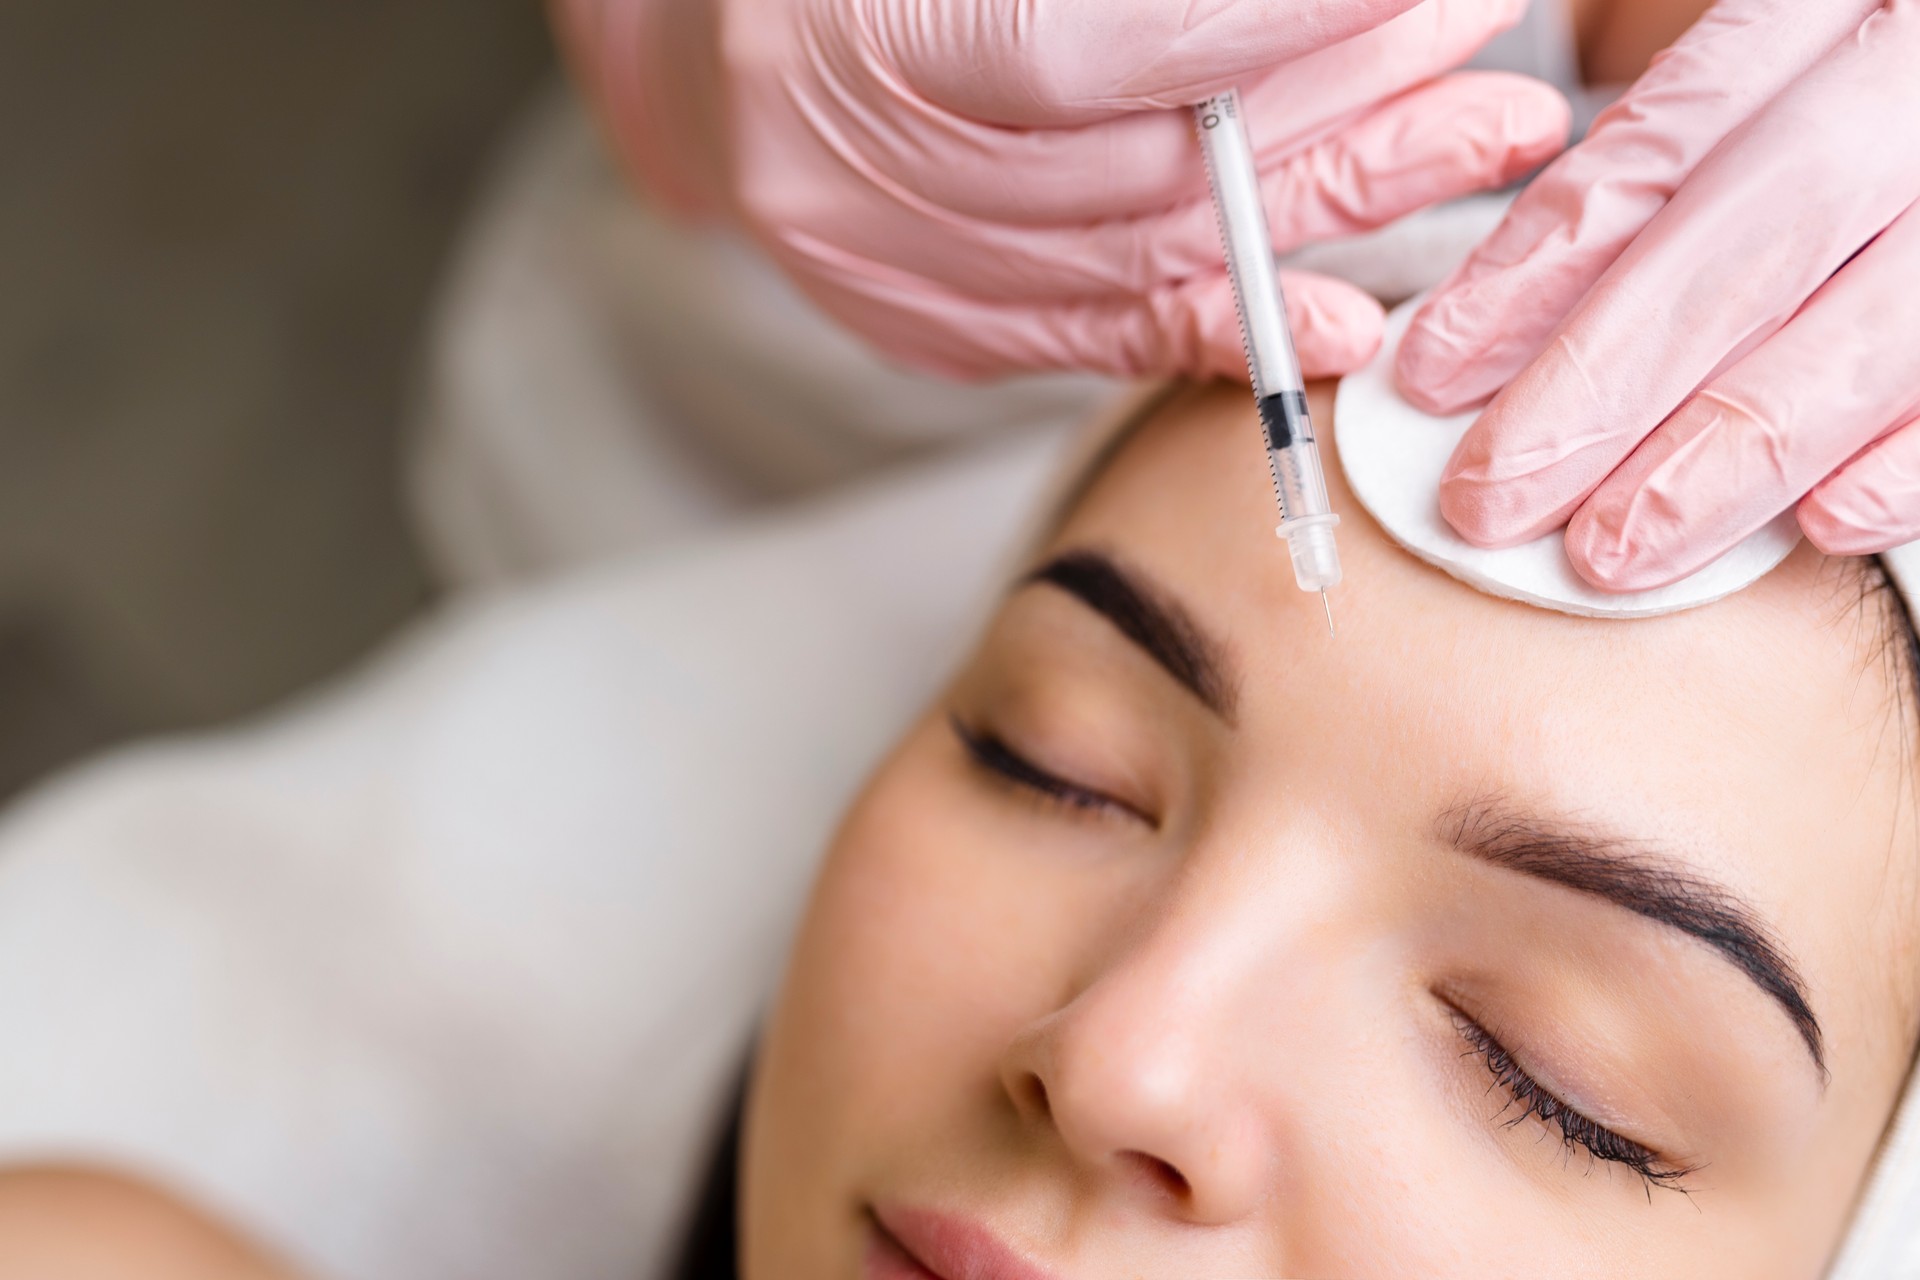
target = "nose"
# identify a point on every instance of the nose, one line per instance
(1138, 1090)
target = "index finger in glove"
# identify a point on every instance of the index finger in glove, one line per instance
(1498, 309)
(1765, 221)
(1446, 138)
(1048, 63)
(1146, 162)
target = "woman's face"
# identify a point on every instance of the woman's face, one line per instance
(1180, 939)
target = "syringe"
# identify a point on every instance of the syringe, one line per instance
(1306, 516)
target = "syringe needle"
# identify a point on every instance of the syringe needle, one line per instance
(1328, 606)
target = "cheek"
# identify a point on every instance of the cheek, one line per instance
(927, 946)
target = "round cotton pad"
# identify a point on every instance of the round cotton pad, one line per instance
(1393, 455)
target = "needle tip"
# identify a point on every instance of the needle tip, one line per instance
(1328, 606)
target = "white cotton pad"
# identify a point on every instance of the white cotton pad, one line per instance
(1393, 455)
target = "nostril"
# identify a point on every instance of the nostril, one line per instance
(1159, 1173)
(1031, 1097)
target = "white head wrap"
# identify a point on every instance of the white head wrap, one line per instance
(1393, 455)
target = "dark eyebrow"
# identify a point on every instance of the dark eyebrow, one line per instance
(1631, 874)
(1145, 616)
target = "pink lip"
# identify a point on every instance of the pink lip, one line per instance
(937, 1246)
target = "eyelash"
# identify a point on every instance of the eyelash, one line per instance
(995, 756)
(1575, 1129)
(1533, 1098)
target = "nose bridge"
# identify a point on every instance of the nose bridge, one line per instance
(1165, 1058)
(1252, 896)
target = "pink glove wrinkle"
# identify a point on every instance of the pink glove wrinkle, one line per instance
(982, 187)
(1703, 315)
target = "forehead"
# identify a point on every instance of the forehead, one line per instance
(1758, 733)
(1188, 496)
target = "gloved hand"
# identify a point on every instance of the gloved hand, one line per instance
(982, 186)
(1707, 312)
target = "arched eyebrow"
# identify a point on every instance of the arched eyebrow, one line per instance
(1629, 873)
(1154, 622)
(1646, 881)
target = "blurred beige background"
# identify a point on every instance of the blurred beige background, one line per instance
(220, 226)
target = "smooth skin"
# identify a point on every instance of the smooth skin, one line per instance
(59, 1223)
(1201, 1010)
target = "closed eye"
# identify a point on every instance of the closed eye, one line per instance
(991, 754)
(1528, 1099)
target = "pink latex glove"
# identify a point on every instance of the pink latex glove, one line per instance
(983, 186)
(1707, 312)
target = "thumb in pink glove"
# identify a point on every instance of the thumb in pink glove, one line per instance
(1707, 312)
(985, 186)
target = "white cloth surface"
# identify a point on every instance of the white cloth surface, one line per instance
(601, 379)
(445, 973)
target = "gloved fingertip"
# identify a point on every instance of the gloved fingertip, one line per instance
(1523, 122)
(1434, 366)
(1222, 358)
(1492, 127)
(1833, 534)
(1487, 502)
(1607, 556)
(1425, 386)
(1543, 121)
(1214, 348)
(1479, 513)
(1337, 353)
(1336, 327)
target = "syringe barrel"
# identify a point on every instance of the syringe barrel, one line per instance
(1248, 242)
(1307, 519)
(1294, 455)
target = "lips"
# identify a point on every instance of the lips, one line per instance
(918, 1244)
(888, 1259)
